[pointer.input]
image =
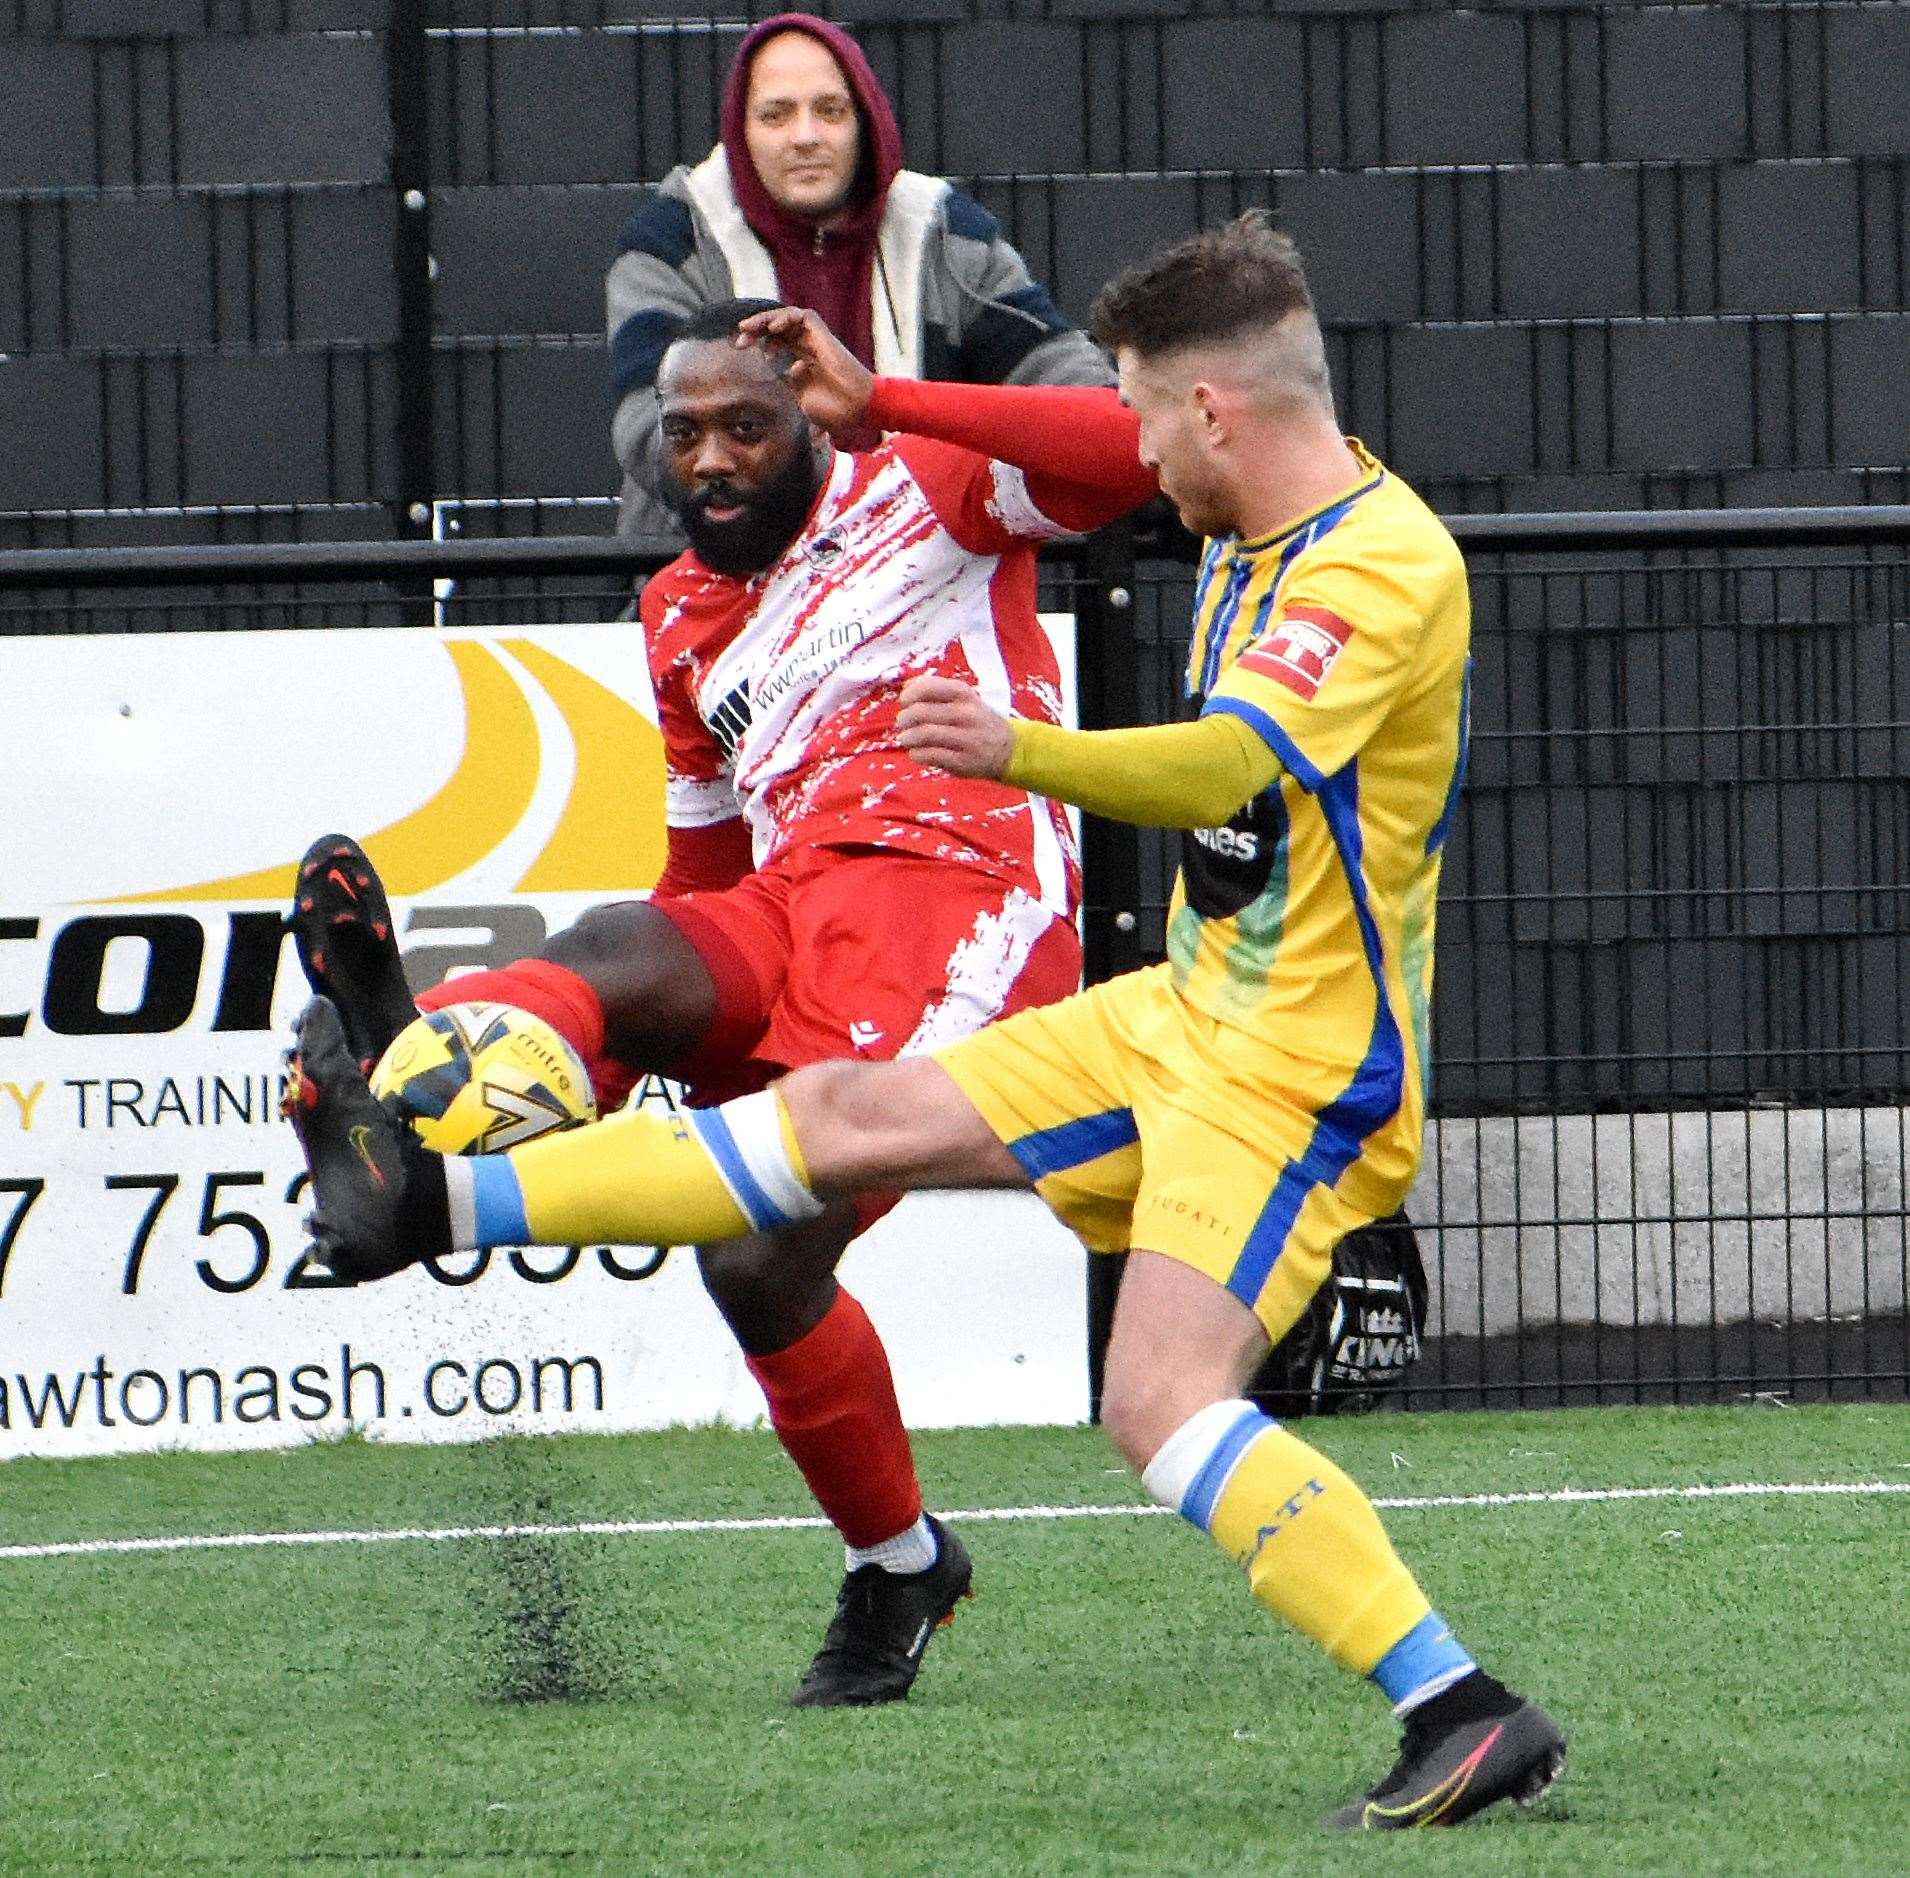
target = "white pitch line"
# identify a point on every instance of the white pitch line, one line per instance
(1572, 1496)
(638, 1528)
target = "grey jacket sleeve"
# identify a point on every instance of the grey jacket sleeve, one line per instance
(987, 320)
(664, 271)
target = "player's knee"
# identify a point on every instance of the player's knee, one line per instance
(604, 938)
(791, 1261)
(755, 1295)
(738, 1267)
(901, 1125)
(838, 1112)
(652, 985)
(773, 1288)
(1140, 1410)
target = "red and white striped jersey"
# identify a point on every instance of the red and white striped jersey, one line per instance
(777, 693)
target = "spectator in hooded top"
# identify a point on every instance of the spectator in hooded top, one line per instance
(805, 200)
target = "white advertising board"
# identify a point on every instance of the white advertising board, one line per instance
(155, 793)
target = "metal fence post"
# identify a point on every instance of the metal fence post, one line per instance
(1107, 656)
(407, 78)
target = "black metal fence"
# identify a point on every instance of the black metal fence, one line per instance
(1672, 1014)
(1672, 1009)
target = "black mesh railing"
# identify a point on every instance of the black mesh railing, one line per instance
(1672, 1009)
(1674, 973)
(1671, 1022)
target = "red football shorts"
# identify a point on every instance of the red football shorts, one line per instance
(840, 952)
(834, 952)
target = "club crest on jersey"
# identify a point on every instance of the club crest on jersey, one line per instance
(1300, 653)
(825, 550)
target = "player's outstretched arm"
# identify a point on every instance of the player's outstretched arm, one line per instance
(830, 382)
(1159, 776)
(1075, 437)
(1079, 435)
(1078, 445)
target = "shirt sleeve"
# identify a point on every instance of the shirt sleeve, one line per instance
(1055, 460)
(1068, 357)
(1158, 776)
(705, 859)
(1007, 329)
(1327, 668)
(699, 775)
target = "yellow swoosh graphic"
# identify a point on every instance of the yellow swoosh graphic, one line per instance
(611, 835)
(488, 791)
(483, 800)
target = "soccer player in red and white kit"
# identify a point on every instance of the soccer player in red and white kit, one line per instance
(823, 895)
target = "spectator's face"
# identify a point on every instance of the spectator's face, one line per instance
(801, 126)
(1176, 437)
(739, 464)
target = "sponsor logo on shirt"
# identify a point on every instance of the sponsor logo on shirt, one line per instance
(1300, 653)
(1234, 844)
(729, 720)
(816, 653)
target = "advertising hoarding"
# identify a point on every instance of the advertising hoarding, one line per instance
(158, 790)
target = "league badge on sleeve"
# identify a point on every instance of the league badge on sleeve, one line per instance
(1300, 651)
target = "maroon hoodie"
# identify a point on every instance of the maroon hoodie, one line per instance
(828, 269)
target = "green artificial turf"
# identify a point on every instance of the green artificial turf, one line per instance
(1734, 1673)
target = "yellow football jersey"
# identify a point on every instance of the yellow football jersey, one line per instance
(1307, 920)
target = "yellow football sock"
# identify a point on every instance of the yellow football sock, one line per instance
(1309, 1540)
(639, 1179)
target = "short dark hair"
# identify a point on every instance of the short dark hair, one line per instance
(721, 318)
(1210, 287)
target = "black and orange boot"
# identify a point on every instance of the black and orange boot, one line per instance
(341, 926)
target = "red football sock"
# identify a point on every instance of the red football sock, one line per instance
(562, 999)
(832, 1403)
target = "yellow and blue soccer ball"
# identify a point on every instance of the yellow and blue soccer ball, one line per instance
(483, 1078)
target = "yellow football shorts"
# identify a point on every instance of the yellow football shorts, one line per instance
(1145, 1124)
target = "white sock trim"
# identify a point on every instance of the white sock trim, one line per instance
(745, 1140)
(1438, 1685)
(1188, 1449)
(460, 1193)
(912, 1550)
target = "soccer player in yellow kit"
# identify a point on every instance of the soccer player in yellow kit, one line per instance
(1226, 1116)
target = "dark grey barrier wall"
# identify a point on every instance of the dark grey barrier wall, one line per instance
(1570, 255)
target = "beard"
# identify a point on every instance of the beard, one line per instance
(771, 515)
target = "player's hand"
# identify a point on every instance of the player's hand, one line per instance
(831, 384)
(945, 724)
